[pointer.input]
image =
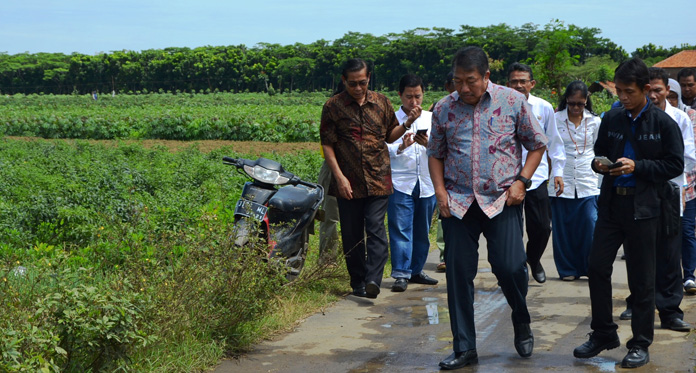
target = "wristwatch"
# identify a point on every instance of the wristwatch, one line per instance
(407, 127)
(527, 182)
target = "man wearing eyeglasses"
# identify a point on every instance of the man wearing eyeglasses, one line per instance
(355, 126)
(475, 164)
(537, 206)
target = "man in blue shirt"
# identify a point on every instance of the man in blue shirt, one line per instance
(647, 148)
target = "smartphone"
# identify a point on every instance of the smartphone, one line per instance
(421, 132)
(604, 161)
(615, 165)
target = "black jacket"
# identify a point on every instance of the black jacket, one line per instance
(659, 156)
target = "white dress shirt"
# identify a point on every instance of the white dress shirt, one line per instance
(578, 145)
(543, 111)
(411, 165)
(685, 126)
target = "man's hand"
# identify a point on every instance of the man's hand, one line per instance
(443, 203)
(558, 185)
(413, 115)
(345, 191)
(422, 139)
(407, 141)
(627, 167)
(515, 193)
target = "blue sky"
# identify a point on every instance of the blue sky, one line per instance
(97, 26)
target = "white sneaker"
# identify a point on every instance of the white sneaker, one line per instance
(690, 286)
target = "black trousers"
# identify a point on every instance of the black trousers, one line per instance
(537, 214)
(668, 278)
(615, 226)
(364, 238)
(505, 254)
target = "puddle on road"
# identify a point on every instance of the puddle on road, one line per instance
(429, 313)
(604, 365)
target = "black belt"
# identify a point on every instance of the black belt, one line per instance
(624, 191)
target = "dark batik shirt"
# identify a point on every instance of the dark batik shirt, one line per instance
(358, 135)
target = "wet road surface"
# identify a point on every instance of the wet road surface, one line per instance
(410, 331)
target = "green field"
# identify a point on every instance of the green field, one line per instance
(120, 258)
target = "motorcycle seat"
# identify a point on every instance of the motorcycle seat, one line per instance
(294, 198)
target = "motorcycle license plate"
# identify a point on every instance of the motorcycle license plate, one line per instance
(250, 209)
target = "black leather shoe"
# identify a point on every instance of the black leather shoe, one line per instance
(595, 345)
(538, 273)
(400, 285)
(372, 289)
(627, 314)
(459, 359)
(424, 279)
(359, 292)
(677, 324)
(636, 357)
(524, 340)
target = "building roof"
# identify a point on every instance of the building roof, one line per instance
(599, 86)
(682, 59)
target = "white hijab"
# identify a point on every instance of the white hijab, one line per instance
(674, 87)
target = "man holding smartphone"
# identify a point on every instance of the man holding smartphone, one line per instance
(411, 207)
(648, 146)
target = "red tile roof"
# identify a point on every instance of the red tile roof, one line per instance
(682, 59)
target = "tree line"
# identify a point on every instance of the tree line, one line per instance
(556, 51)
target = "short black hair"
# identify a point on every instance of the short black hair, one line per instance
(410, 80)
(686, 72)
(471, 58)
(353, 65)
(573, 88)
(449, 78)
(633, 70)
(520, 67)
(659, 73)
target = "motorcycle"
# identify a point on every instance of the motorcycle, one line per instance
(279, 207)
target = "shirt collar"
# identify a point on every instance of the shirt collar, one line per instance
(489, 91)
(348, 99)
(564, 114)
(401, 114)
(647, 104)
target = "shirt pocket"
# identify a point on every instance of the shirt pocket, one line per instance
(501, 125)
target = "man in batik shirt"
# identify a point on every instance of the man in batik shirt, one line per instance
(475, 159)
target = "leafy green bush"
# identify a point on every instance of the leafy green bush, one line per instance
(111, 255)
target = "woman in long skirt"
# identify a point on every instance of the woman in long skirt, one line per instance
(574, 212)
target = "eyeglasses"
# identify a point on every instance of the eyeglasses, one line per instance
(576, 104)
(353, 84)
(519, 81)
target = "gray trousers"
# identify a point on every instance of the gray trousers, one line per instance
(328, 229)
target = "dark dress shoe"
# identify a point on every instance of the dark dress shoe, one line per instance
(627, 314)
(677, 325)
(359, 292)
(400, 285)
(636, 357)
(459, 359)
(538, 273)
(372, 289)
(595, 345)
(424, 279)
(524, 340)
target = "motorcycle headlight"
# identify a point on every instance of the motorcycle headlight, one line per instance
(265, 175)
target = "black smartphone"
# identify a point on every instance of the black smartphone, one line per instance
(421, 132)
(615, 165)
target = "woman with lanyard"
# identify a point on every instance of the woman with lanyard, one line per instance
(574, 212)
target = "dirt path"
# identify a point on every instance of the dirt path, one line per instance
(410, 331)
(205, 146)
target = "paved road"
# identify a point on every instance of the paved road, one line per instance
(410, 331)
